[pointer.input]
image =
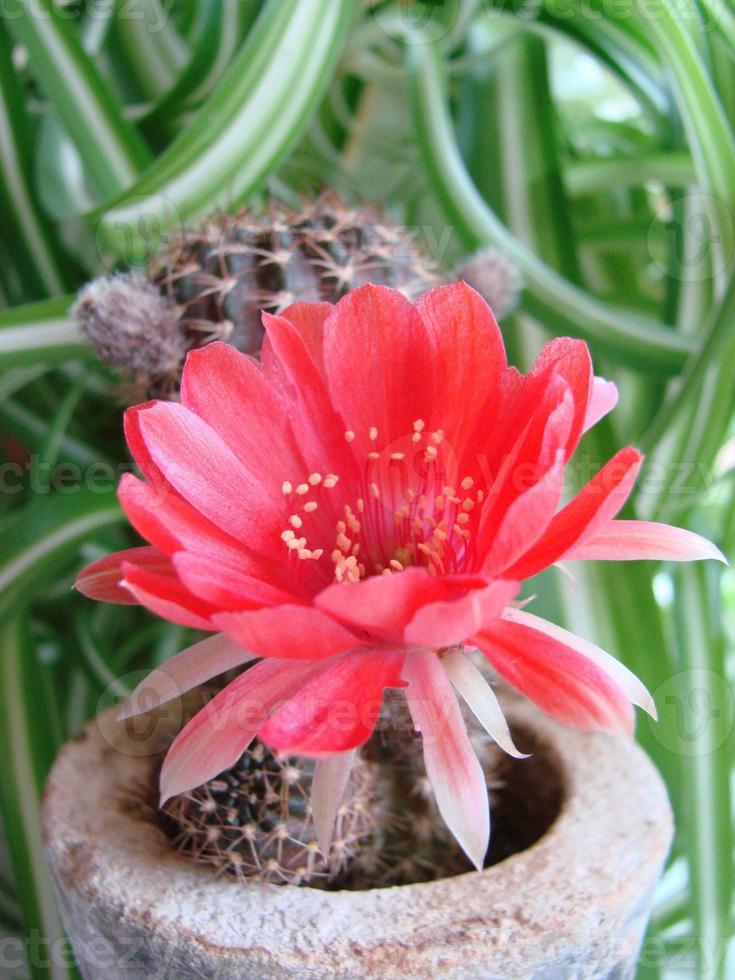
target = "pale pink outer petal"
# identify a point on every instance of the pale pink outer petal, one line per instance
(453, 769)
(327, 792)
(480, 697)
(184, 671)
(603, 399)
(632, 540)
(442, 624)
(217, 736)
(633, 688)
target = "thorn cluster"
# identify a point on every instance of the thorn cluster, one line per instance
(254, 821)
(212, 282)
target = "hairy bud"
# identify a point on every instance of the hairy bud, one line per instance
(495, 278)
(131, 326)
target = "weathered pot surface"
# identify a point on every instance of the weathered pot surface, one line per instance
(573, 905)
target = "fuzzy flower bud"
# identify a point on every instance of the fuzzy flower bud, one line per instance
(495, 278)
(131, 326)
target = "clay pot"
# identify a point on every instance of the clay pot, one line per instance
(574, 904)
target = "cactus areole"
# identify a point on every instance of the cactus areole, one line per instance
(358, 511)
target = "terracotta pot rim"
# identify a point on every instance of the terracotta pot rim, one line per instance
(600, 857)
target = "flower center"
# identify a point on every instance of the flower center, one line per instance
(404, 509)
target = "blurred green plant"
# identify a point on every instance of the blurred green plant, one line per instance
(593, 143)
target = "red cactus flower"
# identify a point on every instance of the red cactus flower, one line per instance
(355, 512)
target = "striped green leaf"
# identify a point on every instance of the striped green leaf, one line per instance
(112, 150)
(40, 333)
(258, 112)
(552, 300)
(34, 246)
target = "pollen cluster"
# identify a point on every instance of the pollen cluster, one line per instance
(404, 506)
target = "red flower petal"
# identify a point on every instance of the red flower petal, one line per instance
(525, 520)
(295, 379)
(225, 585)
(309, 320)
(209, 476)
(379, 364)
(336, 709)
(442, 624)
(587, 513)
(167, 597)
(469, 356)
(631, 540)
(289, 631)
(528, 462)
(217, 736)
(160, 515)
(570, 360)
(384, 604)
(561, 681)
(101, 580)
(136, 442)
(455, 774)
(229, 392)
(629, 684)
